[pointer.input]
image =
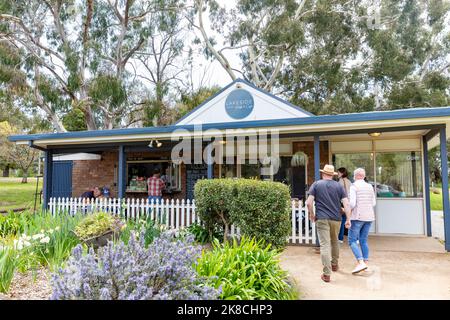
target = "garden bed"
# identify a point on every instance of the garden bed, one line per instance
(29, 286)
(43, 255)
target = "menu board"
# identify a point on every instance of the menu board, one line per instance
(193, 173)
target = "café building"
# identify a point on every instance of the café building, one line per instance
(392, 146)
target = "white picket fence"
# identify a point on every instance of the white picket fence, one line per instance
(175, 214)
(303, 230)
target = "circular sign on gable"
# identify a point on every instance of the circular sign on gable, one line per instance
(239, 104)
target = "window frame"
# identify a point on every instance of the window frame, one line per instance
(375, 151)
(177, 169)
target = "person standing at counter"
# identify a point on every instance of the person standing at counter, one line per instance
(155, 186)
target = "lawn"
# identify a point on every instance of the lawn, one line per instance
(14, 194)
(436, 201)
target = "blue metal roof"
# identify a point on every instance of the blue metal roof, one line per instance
(412, 113)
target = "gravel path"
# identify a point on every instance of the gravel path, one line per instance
(29, 287)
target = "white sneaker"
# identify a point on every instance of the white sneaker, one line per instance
(360, 267)
(341, 241)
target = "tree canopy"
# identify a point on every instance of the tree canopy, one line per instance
(102, 64)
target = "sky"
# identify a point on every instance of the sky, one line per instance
(216, 75)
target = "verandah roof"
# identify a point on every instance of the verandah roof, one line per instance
(316, 124)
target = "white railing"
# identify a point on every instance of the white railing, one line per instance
(175, 214)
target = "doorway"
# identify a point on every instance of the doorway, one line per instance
(62, 179)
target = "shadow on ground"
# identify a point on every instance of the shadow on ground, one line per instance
(400, 268)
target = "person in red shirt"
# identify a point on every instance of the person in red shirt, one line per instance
(155, 187)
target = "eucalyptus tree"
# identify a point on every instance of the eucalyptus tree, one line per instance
(395, 55)
(265, 32)
(334, 56)
(76, 53)
(411, 60)
(162, 58)
(327, 74)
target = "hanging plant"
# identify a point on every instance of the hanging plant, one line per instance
(299, 159)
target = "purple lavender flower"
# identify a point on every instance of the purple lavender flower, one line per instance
(164, 270)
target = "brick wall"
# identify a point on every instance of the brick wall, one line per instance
(308, 148)
(89, 173)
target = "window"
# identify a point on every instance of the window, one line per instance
(228, 170)
(351, 161)
(255, 171)
(251, 171)
(399, 174)
(173, 177)
(293, 176)
(140, 171)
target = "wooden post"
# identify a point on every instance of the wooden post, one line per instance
(48, 178)
(445, 196)
(316, 178)
(121, 183)
(426, 187)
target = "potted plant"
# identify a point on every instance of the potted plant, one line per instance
(299, 159)
(97, 229)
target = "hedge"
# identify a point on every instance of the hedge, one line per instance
(212, 201)
(261, 209)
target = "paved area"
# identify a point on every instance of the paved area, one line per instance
(437, 224)
(401, 268)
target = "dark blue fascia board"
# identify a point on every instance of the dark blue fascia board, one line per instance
(327, 119)
(251, 85)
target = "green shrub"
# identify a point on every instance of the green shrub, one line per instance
(262, 209)
(32, 241)
(59, 248)
(212, 201)
(146, 227)
(46, 241)
(248, 270)
(95, 225)
(202, 235)
(8, 265)
(13, 223)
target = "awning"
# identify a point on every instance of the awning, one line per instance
(405, 119)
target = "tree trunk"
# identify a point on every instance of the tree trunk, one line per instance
(227, 228)
(89, 118)
(25, 177)
(6, 171)
(225, 233)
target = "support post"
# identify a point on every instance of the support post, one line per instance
(121, 182)
(445, 195)
(426, 191)
(210, 161)
(316, 171)
(48, 178)
(316, 158)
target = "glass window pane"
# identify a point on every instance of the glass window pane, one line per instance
(399, 174)
(250, 171)
(228, 170)
(351, 161)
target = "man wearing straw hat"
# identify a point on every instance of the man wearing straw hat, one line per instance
(326, 196)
